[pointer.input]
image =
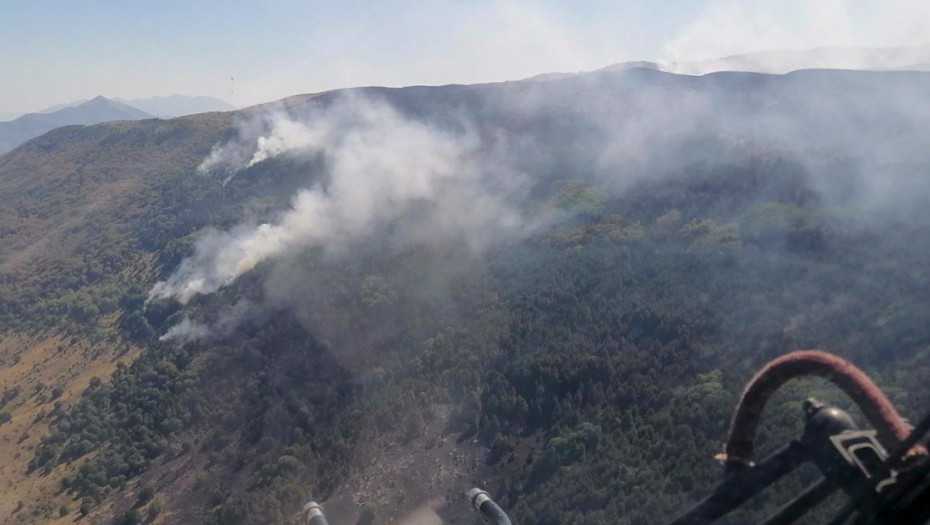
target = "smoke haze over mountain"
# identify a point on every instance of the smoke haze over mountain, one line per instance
(412, 175)
(381, 167)
(732, 27)
(411, 43)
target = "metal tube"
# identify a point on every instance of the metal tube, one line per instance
(875, 405)
(743, 483)
(483, 505)
(314, 514)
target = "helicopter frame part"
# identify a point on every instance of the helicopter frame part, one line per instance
(875, 405)
(742, 483)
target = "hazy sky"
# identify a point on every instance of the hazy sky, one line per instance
(251, 51)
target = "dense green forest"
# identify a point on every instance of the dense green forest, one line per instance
(595, 358)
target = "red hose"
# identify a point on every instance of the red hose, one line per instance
(891, 428)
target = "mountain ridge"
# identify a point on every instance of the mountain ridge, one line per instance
(783, 61)
(912, 58)
(94, 111)
(103, 109)
(175, 105)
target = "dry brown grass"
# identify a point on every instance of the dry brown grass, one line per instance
(28, 361)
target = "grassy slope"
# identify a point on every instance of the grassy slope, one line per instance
(68, 201)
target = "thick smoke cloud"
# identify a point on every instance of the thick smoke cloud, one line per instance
(381, 166)
(472, 168)
(260, 138)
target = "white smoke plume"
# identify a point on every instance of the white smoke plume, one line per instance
(286, 135)
(225, 323)
(380, 166)
(261, 137)
(226, 159)
(186, 331)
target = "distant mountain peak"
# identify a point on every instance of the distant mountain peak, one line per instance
(94, 111)
(111, 108)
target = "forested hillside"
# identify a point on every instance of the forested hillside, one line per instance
(376, 298)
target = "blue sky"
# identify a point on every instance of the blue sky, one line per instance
(251, 51)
